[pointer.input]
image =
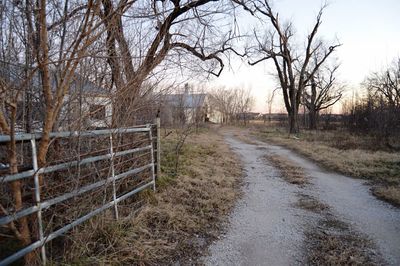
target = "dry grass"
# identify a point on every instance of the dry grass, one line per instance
(345, 153)
(245, 139)
(388, 193)
(333, 243)
(289, 171)
(178, 221)
(310, 203)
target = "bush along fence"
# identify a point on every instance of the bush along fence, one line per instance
(89, 172)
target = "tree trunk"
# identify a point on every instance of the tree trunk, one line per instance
(293, 123)
(312, 114)
(16, 188)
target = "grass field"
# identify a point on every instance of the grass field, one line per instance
(176, 223)
(353, 155)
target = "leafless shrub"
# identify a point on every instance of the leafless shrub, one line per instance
(379, 112)
(77, 65)
(230, 105)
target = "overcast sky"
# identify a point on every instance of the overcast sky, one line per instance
(368, 29)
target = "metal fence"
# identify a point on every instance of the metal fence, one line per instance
(110, 180)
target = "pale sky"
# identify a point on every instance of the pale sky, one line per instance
(368, 29)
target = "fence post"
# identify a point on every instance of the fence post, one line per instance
(45, 236)
(158, 123)
(152, 157)
(37, 199)
(113, 176)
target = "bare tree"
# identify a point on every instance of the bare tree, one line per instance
(270, 101)
(292, 65)
(121, 45)
(323, 92)
(168, 30)
(41, 60)
(232, 104)
(244, 103)
(379, 113)
(222, 102)
(386, 83)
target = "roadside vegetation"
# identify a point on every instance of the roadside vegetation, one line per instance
(290, 172)
(354, 155)
(333, 242)
(176, 223)
(75, 66)
(329, 241)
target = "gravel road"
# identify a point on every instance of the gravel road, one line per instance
(266, 227)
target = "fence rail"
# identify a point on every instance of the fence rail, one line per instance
(110, 157)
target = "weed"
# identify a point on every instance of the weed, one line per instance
(333, 243)
(290, 172)
(351, 155)
(175, 223)
(388, 193)
(309, 203)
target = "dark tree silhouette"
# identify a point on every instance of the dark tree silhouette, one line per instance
(322, 92)
(294, 67)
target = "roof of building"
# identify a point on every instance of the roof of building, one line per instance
(186, 100)
(249, 114)
(16, 75)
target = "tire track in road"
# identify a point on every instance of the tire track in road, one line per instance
(266, 227)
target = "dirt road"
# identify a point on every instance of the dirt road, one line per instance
(267, 227)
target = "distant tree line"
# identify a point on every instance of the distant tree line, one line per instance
(378, 112)
(231, 105)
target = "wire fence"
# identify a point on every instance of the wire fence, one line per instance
(125, 162)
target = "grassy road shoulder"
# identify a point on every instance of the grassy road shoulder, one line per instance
(178, 221)
(351, 155)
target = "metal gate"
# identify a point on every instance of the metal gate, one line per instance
(40, 204)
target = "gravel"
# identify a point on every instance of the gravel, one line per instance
(266, 227)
